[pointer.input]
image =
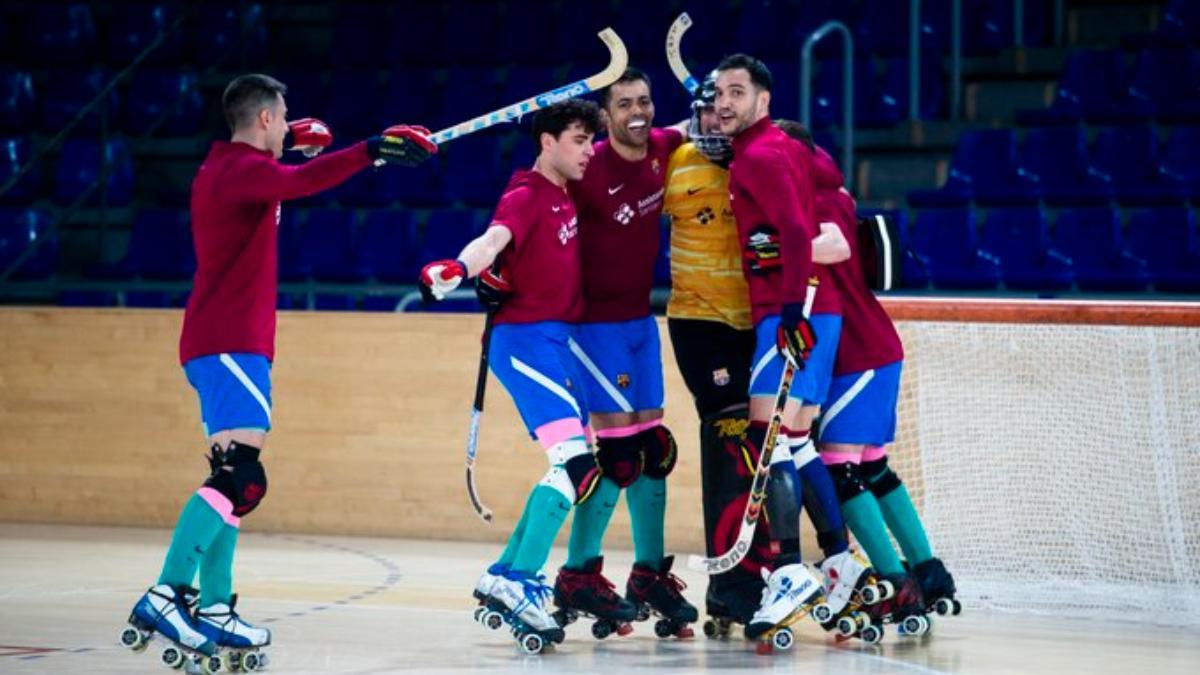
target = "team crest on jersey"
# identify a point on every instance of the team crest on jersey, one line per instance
(623, 380)
(706, 215)
(721, 377)
(624, 214)
(655, 166)
(568, 230)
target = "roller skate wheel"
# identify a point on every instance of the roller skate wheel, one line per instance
(232, 661)
(478, 614)
(915, 625)
(872, 635)
(710, 629)
(664, 628)
(493, 620)
(943, 606)
(134, 639)
(252, 662)
(624, 629)
(886, 590)
(957, 609)
(172, 657)
(601, 630)
(782, 639)
(822, 613)
(870, 595)
(846, 626)
(210, 664)
(643, 613)
(532, 643)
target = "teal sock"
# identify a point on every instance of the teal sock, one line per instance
(198, 526)
(902, 519)
(514, 541)
(548, 509)
(591, 521)
(866, 522)
(647, 500)
(216, 568)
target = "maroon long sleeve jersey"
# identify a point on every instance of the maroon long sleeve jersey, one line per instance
(236, 199)
(771, 188)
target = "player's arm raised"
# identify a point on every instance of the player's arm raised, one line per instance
(442, 276)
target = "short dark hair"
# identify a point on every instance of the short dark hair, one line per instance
(631, 74)
(760, 75)
(246, 95)
(555, 119)
(797, 131)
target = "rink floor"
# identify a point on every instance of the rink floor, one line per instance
(356, 605)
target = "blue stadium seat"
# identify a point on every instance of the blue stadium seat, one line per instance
(148, 299)
(872, 108)
(172, 96)
(68, 91)
(992, 25)
(1179, 27)
(21, 228)
(80, 164)
(576, 39)
(1094, 86)
(334, 302)
(329, 245)
(947, 244)
(137, 24)
(769, 30)
(473, 174)
(662, 263)
(17, 103)
(14, 154)
(1053, 165)
(1021, 238)
(447, 231)
(470, 91)
(476, 40)
(160, 246)
(983, 160)
(1091, 237)
(228, 33)
(1166, 238)
(1130, 156)
(294, 265)
(387, 250)
(1166, 82)
(87, 299)
(423, 187)
(785, 91)
(1181, 161)
(58, 33)
(402, 106)
(451, 306)
(931, 95)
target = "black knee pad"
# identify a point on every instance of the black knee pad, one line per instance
(584, 473)
(237, 474)
(658, 451)
(847, 481)
(880, 477)
(620, 459)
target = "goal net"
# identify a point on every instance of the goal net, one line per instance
(1054, 452)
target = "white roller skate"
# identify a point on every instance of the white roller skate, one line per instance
(485, 613)
(521, 601)
(164, 610)
(792, 591)
(850, 585)
(240, 643)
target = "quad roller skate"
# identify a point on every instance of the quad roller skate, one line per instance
(792, 591)
(728, 605)
(165, 611)
(587, 592)
(657, 591)
(937, 588)
(520, 601)
(485, 614)
(850, 587)
(240, 643)
(903, 607)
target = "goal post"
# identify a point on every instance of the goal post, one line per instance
(1053, 448)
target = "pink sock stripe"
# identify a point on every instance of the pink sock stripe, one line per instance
(840, 458)
(589, 436)
(873, 453)
(650, 425)
(551, 434)
(619, 432)
(221, 504)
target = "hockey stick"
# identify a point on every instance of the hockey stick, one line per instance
(758, 487)
(618, 61)
(674, 54)
(476, 414)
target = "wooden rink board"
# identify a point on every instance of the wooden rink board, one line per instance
(100, 427)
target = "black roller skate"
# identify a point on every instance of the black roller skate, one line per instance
(733, 604)
(937, 587)
(903, 605)
(657, 591)
(585, 592)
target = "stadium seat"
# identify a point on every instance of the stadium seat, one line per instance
(359, 30)
(983, 160)
(1091, 237)
(387, 249)
(1165, 82)
(473, 170)
(766, 29)
(17, 103)
(171, 96)
(424, 47)
(470, 91)
(20, 229)
(1130, 156)
(1094, 87)
(1020, 237)
(1053, 165)
(424, 187)
(1181, 161)
(160, 246)
(343, 108)
(1166, 238)
(135, 26)
(329, 245)
(227, 33)
(1179, 27)
(523, 28)
(447, 231)
(931, 95)
(947, 244)
(294, 265)
(66, 93)
(87, 299)
(58, 34)
(991, 28)
(14, 154)
(80, 166)
(872, 108)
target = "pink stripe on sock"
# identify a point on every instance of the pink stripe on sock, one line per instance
(589, 436)
(650, 425)
(840, 458)
(221, 504)
(873, 453)
(551, 434)
(619, 432)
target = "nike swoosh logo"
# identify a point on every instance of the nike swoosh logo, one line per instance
(692, 191)
(613, 191)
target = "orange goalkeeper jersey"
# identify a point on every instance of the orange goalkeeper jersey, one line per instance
(706, 260)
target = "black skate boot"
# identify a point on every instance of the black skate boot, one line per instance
(937, 587)
(731, 603)
(902, 605)
(586, 592)
(658, 591)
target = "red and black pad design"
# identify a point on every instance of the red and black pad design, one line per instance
(726, 473)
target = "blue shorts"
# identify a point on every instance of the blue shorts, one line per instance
(534, 363)
(861, 408)
(811, 385)
(234, 391)
(621, 364)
